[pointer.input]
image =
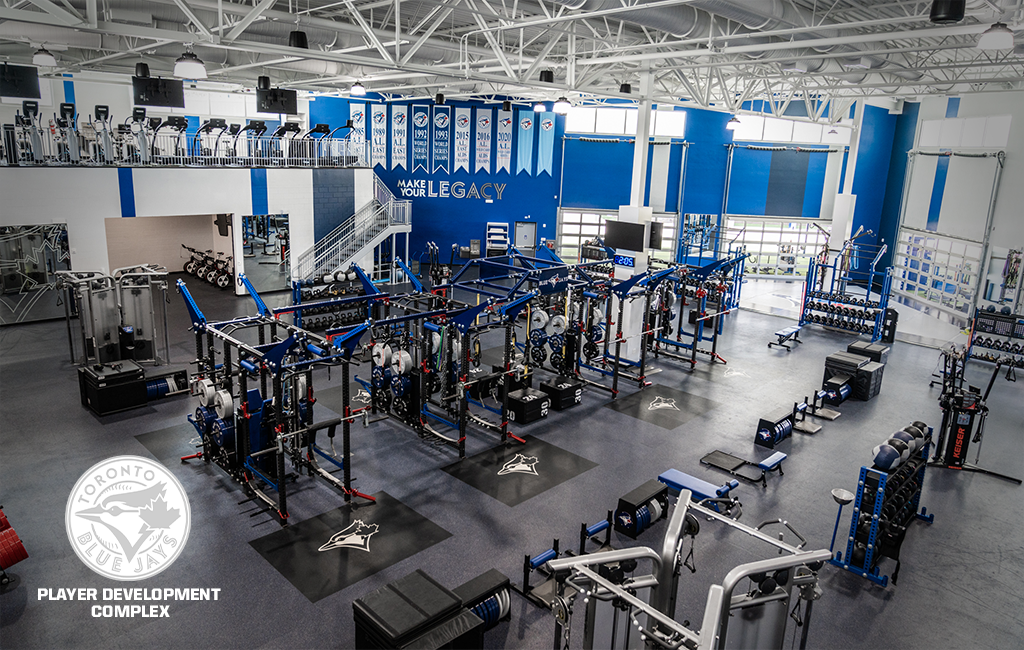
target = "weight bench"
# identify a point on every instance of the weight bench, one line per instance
(699, 488)
(791, 333)
(745, 469)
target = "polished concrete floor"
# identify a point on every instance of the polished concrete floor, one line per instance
(961, 582)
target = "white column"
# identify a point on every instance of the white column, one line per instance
(643, 134)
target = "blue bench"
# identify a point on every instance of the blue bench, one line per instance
(772, 463)
(791, 333)
(699, 488)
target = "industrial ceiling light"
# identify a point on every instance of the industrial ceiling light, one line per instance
(625, 89)
(996, 37)
(142, 70)
(44, 59)
(733, 123)
(357, 90)
(947, 12)
(547, 76)
(298, 39)
(263, 83)
(439, 98)
(189, 66)
(539, 107)
(506, 106)
(562, 106)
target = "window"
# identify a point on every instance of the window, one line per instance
(778, 247)
(612, 121)
(935, 273)
(575, 227)
(623, 121)
(671, 124)
(757, 128)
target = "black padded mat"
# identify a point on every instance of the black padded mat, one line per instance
(662, 406)
(339, 548)
(331, 397)
(519, 472)
(171, 443)
(733, 464)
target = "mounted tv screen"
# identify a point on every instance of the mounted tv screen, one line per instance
(628, 236)
(277, 100)
(19, 81)
(158, 92)
(657, 232)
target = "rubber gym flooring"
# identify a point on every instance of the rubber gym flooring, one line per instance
(961, 582)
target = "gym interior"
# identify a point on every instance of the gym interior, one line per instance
(431, 324)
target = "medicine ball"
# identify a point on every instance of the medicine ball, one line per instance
(917, 432)
(921, 426)
(900, 446)
(906, 437)
(886, 457)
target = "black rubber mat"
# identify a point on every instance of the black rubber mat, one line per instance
(734, 465)
(339, 548)
(171, 443)
(662, 406)
(518, 472)
(331, 397)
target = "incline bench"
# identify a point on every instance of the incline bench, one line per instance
(791, 333)
(700, 489)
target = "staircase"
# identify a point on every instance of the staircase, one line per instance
(371, 224)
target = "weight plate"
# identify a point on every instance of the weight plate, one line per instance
(557, 325)
(205, 390)
(538, 319)
(556, 361)
(598, 315)
(670, 300)
(381, 354)
(401, 408)
(538, 354)
(223, 404)
(590, 350)
(398, 385)
(556, 342)
(538, 338)
(401, 362)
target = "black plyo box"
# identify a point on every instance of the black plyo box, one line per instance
(482, 587)
(525, 382)
(873, 351)
(527, 405)
(107, 390)
(626, 519)
(565, 392)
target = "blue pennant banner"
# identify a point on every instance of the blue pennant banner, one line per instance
(525, 139)
(442, 138)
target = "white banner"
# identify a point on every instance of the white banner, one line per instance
(483, 140)
(357, 113)
(504, 141)
(379, 135)
(463, 131)
(399, 136)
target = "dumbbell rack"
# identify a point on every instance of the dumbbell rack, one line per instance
(844, 311)
(878, 491)
(328, 316)
(1002, 333)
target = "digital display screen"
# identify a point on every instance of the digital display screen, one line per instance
(277, 100)
(19, 81)
(986, 325)
(625, 260)
(151, 91)
(1018, 330)
(622, 234)
(1003, 327)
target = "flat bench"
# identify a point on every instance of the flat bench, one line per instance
(699, 488)
(772, 463)
(791, 333)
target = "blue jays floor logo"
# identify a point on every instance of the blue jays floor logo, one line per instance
(356, 536)
(520, 465)
(663, 403)
(128, 518)
(441, 120)
(363, 397)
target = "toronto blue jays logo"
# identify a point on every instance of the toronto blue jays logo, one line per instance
(484, 122)
(441, 120)
(378, 118)
(519, 465)
(399, 119)
(462, 120)
(420, 120)
(505, 121)
(662, 403)
(356, 536)
(625, 519)
(526, 124)
(547, 124)
(357, 117)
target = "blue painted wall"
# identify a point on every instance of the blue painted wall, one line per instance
(902, 142)
(705, 161)
(873, 157)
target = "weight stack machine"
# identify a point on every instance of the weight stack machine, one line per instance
(886, 504)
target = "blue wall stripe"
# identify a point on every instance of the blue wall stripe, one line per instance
(952, 106)
(258, 182)
(749, 178)
(787, 184)
(903, 141)
(69, 90)
(126, 188)
(938, 189)
(815, 188)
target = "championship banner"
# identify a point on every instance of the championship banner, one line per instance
(525, 137)
(442, 138)
(357, 113)
(399, 137)
(378, 135)
(546, 143)
(463, 131)
(483, 140)
(504, 141)
(421, 138)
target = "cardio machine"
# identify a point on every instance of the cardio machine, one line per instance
(178, 124)
(29, 122)
(250, 135)
(104, 140)
(199, 148)
(67, 147)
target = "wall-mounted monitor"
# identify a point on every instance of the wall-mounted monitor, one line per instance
(151, 91)
(624, 235)
(277, 100)
(19, 81)
(657, 232)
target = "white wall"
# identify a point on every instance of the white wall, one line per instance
(290, 191)
(158, 240)
(82, 198)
